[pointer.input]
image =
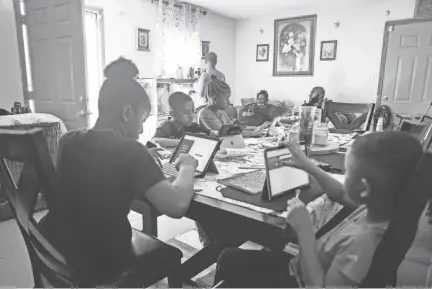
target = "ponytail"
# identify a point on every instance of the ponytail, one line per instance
(215, 87)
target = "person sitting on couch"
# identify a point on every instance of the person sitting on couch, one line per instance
(258, 113)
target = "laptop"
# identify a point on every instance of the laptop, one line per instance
(202, 148)
(231, 137)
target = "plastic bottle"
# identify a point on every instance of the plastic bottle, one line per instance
(294, 133)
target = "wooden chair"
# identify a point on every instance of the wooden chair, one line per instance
(402, 229)
(332, 109)
(151, 259)
(422, 131)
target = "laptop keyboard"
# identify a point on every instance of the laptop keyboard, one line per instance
(169, 169)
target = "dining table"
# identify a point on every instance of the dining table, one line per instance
(239, 220)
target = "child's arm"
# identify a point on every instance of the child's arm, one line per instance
(332, 187)
(163, 136)
(313, 272)
(298, 217)
(166, 142)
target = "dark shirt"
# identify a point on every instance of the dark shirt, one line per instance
(168, 129)
(261, 114)
(99, 174)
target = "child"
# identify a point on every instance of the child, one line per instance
(169, 133)
(100, 172)
(378, 166)
(213, 117)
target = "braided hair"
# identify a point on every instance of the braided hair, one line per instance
(215, 87)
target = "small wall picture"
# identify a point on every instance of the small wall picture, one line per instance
(328, 50)
(205, 48)
(262, 52)
(143, 39)
(423, 8)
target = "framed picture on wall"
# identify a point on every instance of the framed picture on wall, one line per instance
(205, 48)
(423, 8)
(294, 46)
(328, 50)
(143, 39)
(262, 52)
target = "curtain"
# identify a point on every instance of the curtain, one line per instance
(179, 46)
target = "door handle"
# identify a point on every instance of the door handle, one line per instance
(385, 97)
(83, 114)
(83, 99)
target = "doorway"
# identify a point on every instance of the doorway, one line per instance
(406, 67)
(94, 50)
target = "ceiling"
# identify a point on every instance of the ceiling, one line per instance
(241, 9)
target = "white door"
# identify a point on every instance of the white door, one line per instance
(56, 43)
(407, 76)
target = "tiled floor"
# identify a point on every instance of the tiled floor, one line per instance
(15, 269)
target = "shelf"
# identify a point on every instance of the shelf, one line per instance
(188, 81)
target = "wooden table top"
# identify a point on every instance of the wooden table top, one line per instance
(212, 197)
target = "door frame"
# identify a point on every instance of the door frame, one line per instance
(101, 21)
(21, 53)
(385, 47)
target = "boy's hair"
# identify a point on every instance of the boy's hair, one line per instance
(178, 99)
(120, 88)
(211, 57)
(121, 67)
(387, 159)
(215, 87)
(263, 92)
(319, 89)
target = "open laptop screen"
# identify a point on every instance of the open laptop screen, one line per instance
(200, 147)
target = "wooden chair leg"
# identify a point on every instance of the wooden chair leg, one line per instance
(149, 220)
(174, 279)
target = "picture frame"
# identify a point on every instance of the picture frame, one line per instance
(423, 8)
(328, 50)
(143, 39)
(294, 46)
(205, 48)
(262, 52)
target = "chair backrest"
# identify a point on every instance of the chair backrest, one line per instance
(402, 229)
(332, 109)
(422, 131)
(38, 174)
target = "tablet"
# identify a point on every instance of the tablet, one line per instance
(202, 148)
(282, 178)
(229, 129)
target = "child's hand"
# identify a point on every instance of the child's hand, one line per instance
(298, 159)
(298, 216)
(185, 160)
(154, 152)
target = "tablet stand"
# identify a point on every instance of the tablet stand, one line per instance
(265, 194)
(212, 168)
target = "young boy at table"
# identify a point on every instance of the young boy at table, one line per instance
(169, 133)
(377, 167)
(100, 172)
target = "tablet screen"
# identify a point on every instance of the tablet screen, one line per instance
(200, 148)
(283, 178)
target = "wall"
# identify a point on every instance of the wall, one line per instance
(122, 19)
(10, 70)
(353, 77)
